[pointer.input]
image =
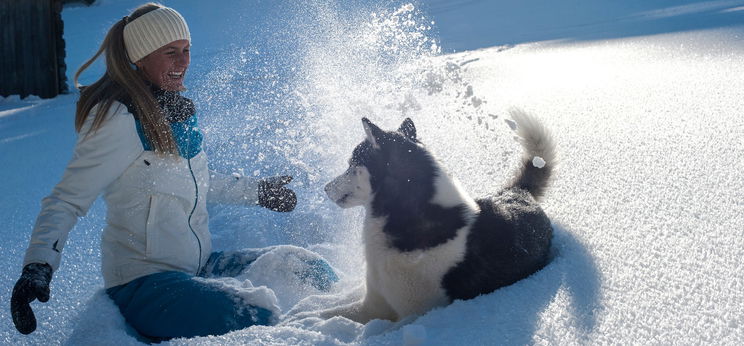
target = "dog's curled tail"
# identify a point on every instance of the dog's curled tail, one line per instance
(539, 157)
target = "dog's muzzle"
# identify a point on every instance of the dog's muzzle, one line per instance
(337, 190)
(331, 190)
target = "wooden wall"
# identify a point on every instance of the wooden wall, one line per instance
(32, 49)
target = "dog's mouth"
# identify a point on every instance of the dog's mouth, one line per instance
(343, 199)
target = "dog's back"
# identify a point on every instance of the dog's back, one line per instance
(510, 239)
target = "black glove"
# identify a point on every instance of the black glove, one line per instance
(272, 194)
(33, 284)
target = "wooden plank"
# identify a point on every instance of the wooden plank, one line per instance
(59, 49)
(45, 66)
(8, 74)
(32, 49)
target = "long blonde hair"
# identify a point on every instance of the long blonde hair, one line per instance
(120, 80)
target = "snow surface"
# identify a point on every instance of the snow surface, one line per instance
(644, 99)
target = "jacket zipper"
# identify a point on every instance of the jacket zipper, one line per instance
(196, 201)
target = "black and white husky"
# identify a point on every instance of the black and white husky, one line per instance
(427, 242)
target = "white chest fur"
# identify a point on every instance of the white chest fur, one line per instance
(408, 282)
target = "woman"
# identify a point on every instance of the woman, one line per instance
(140, 146)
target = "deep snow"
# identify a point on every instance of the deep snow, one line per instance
(643, 97)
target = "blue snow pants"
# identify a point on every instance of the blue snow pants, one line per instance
(173, 304)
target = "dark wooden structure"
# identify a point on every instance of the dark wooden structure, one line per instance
(32, 49)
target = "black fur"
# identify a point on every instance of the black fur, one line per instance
(533, 179)
(509, 241)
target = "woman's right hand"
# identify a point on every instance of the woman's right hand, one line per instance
(272, 194)
(33, 284)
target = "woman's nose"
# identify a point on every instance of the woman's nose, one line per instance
(183, 59)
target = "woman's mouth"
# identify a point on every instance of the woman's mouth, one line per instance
(175, 75)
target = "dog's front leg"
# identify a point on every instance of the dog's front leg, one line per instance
(373, 306)
(351, 311)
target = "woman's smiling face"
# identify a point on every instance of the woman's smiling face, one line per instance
(166, 67)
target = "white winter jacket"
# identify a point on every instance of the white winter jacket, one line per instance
(156, 216)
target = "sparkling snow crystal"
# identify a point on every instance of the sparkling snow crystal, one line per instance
(538, 162)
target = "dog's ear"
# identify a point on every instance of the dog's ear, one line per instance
(408, 129)
(374, 133)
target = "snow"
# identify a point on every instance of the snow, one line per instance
(538, 162)
(413, 335)
(642, 97)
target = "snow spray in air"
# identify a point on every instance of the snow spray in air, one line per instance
(292, 103)
(385, 65)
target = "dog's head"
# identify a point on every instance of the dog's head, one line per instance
(384, 160)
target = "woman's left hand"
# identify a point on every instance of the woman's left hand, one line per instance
(272, 194)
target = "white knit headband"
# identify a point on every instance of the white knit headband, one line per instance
(153, 30)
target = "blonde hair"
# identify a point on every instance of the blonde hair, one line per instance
(120, 80)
